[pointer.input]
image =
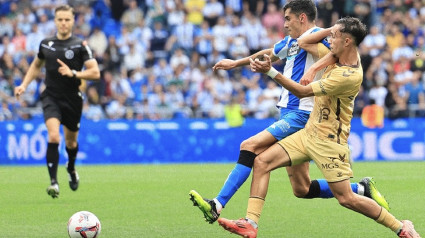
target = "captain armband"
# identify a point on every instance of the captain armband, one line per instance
(272, 73)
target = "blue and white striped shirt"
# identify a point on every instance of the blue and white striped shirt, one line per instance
(297, 62)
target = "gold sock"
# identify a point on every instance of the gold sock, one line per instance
(388, 220)
(255, 206)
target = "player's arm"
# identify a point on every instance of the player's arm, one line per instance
(325, 61)
(91, 71)
(311, 41)
(32, 72)
(265, 66)
(230, 64)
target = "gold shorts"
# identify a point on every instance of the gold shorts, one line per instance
(331, 158)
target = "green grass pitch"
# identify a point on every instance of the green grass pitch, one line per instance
(153, 201)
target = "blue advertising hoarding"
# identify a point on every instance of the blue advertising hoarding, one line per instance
(192, 141)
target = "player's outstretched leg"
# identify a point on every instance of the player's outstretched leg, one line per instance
(240, 227)
(366, 187)
(408, 230)
(372, 192)
(207, 206)
(74, 179)
(53, 190)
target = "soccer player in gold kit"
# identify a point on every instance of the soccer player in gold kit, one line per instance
(324, 138)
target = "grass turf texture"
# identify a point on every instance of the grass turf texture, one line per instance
(153, 201)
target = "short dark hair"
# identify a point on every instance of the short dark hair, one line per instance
(302, 6)
(354, 27)
(65, 8)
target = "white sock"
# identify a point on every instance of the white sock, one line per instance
(360, 189)
(253, 223)
(218, 205)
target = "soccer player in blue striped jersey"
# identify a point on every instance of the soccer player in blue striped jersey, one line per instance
(299, 54)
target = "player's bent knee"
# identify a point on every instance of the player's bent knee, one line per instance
(248, 144)
(260, 165)
(300, 192)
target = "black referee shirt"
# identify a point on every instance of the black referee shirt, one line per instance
(73, 52)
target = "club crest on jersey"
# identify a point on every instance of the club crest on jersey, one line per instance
(293, 51)
(69, 54)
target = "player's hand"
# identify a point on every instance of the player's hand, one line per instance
(308, 77)
(63, 69)
(261, 66)
(19, 91)
(225, 64)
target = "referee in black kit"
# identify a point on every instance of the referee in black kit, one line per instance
(64, 56)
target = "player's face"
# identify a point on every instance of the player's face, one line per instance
(336, 40)
(293, 24)
(64, 21)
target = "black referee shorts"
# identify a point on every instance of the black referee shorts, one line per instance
(66, 107)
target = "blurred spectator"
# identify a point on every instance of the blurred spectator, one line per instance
(175, 15)
(374, 42)
(254, 32)
(46, 26)
(5, 113)
(183, 36)
(212, 11)
(25, 20)
(396, 105)
(233, 113)
(34, 37)
(156, 13)
(98, 42)
(179, 57)
(273, 18)
(415, 95)
(373, 115)
(378, 93)
(133, 59)
(158, 41)
(222, 33)
(132, 15)
(140, 56)
(6, 26)
(203, 40)
(194, 10)
(112, 57)
(92, 108)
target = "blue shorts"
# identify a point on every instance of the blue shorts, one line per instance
(290, 122)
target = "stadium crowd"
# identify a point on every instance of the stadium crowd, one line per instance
(156, 56)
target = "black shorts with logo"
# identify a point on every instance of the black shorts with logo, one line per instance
(66, 107)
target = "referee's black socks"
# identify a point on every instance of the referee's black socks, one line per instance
(72, 155)
(52, 158)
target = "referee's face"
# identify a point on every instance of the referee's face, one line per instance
(64, 21)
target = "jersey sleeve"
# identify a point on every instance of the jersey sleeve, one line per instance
(86, 51)
(338, 81)
(280, 49)
(322, 50)
(40, 54)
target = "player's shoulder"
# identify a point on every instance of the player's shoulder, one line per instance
(278, 46)
(76, 40)
(348, 72)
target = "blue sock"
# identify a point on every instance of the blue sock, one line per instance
(354, 187)
(325, 191)
(235, 180)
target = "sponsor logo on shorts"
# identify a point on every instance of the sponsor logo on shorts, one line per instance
(334, 162)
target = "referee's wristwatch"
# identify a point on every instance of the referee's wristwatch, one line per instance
(74, 73)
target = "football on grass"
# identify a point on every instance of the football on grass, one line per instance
(83, 224)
